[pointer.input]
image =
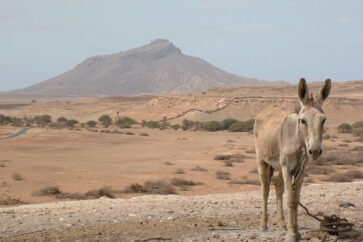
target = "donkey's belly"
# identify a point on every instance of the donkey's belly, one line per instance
(275, 163)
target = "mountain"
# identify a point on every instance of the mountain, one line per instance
(156, 68)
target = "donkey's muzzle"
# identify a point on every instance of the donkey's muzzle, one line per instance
(315, 153)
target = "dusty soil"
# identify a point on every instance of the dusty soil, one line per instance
(215, 217)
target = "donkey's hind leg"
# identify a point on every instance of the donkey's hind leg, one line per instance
(265, 173)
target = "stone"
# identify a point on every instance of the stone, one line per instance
(346, 205)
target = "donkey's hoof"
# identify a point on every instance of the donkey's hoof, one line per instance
(263, 228)
(291, 238)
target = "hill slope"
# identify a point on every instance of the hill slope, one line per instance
(156, 68)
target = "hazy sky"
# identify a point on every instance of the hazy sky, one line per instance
(271, 40)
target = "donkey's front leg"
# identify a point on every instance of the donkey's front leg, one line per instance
(292, 203)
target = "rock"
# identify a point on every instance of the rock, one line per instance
(170, 218)
(215, 236)
(346, 205)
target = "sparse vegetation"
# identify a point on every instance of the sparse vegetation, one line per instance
(187, 124)
(17, 177)
(344, 128)
(212, 126)
(228, 122)
(91, 123)
(125, 122)
(135, 188)
(6, 200)
(179, 171)
(254, 171)
(47, 191)
(345, 177)
(175, 126)
(61, 119)
(130, 133)
(232, 158)
(151, 187)
(152, 124)
(326, 136)
(105, 120)
(181, 182)
(222, 175)
(244, 180)
(97, 193)
(242, 126)
(228, 163)
(144, 134)
(357, 125)
(168, 163)
(198, 168)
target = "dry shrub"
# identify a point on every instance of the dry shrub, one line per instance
(228, 163)
(6, 200)
(354, 174)
(223, 175)
(338, 158)
(251, 151)
(2, 165)
(47, 191)
(179, 171)
(144, 134)
(17, 177)
(245, 181)
(233, 158)
(343, 145)
(347, 141)
(344, 128)
(326, 136)
(198, 168)
(135, 188)
(159, 187)
(151, 187)
(319, 170)
(254, 171)
(130, 133)
(73, 196)
(222, 157)
(181, 182)
(358, 132)
(338, 178)
(168, 163)
(97, 193)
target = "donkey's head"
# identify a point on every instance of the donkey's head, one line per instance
(312, 117)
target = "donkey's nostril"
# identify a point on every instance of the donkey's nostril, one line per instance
(310, 152)
(321, 152)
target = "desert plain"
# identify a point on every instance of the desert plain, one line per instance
(82, 159)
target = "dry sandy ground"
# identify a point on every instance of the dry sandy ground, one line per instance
(214, 217)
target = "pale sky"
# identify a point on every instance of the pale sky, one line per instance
(271, 40)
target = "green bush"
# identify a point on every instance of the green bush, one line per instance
(242, 126)
(187, 124)
(125, 122)
(344, 128)
(72, 122)
(358, 124)
(152, 124)
(175, 126)
(46, 118)
(61, 119)
(91, 123)
(105, 120)
(228, 122)
(212, 126)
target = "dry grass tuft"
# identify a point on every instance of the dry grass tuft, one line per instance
(135, 188)
(130, 133)
(97, 193)
(245, 181)
(228, 163)
(179, 171)
(47, 191)
(181, 182)
(159, 187)
(233, 158)
(319, 170)
(17, 177)
(168, 163)
(72, 196)
(144, 134)
(251, 151)
(6, 200)
(198, 168)
(223, 175)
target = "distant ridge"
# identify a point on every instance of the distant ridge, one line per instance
(156, 68)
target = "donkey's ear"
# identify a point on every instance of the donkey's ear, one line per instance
(324, 91)
(303, 91)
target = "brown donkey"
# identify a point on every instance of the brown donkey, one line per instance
(284, 142)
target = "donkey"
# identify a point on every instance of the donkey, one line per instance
(285, 142)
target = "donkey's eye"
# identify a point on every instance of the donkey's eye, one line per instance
(303, 121)
(323, 122)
